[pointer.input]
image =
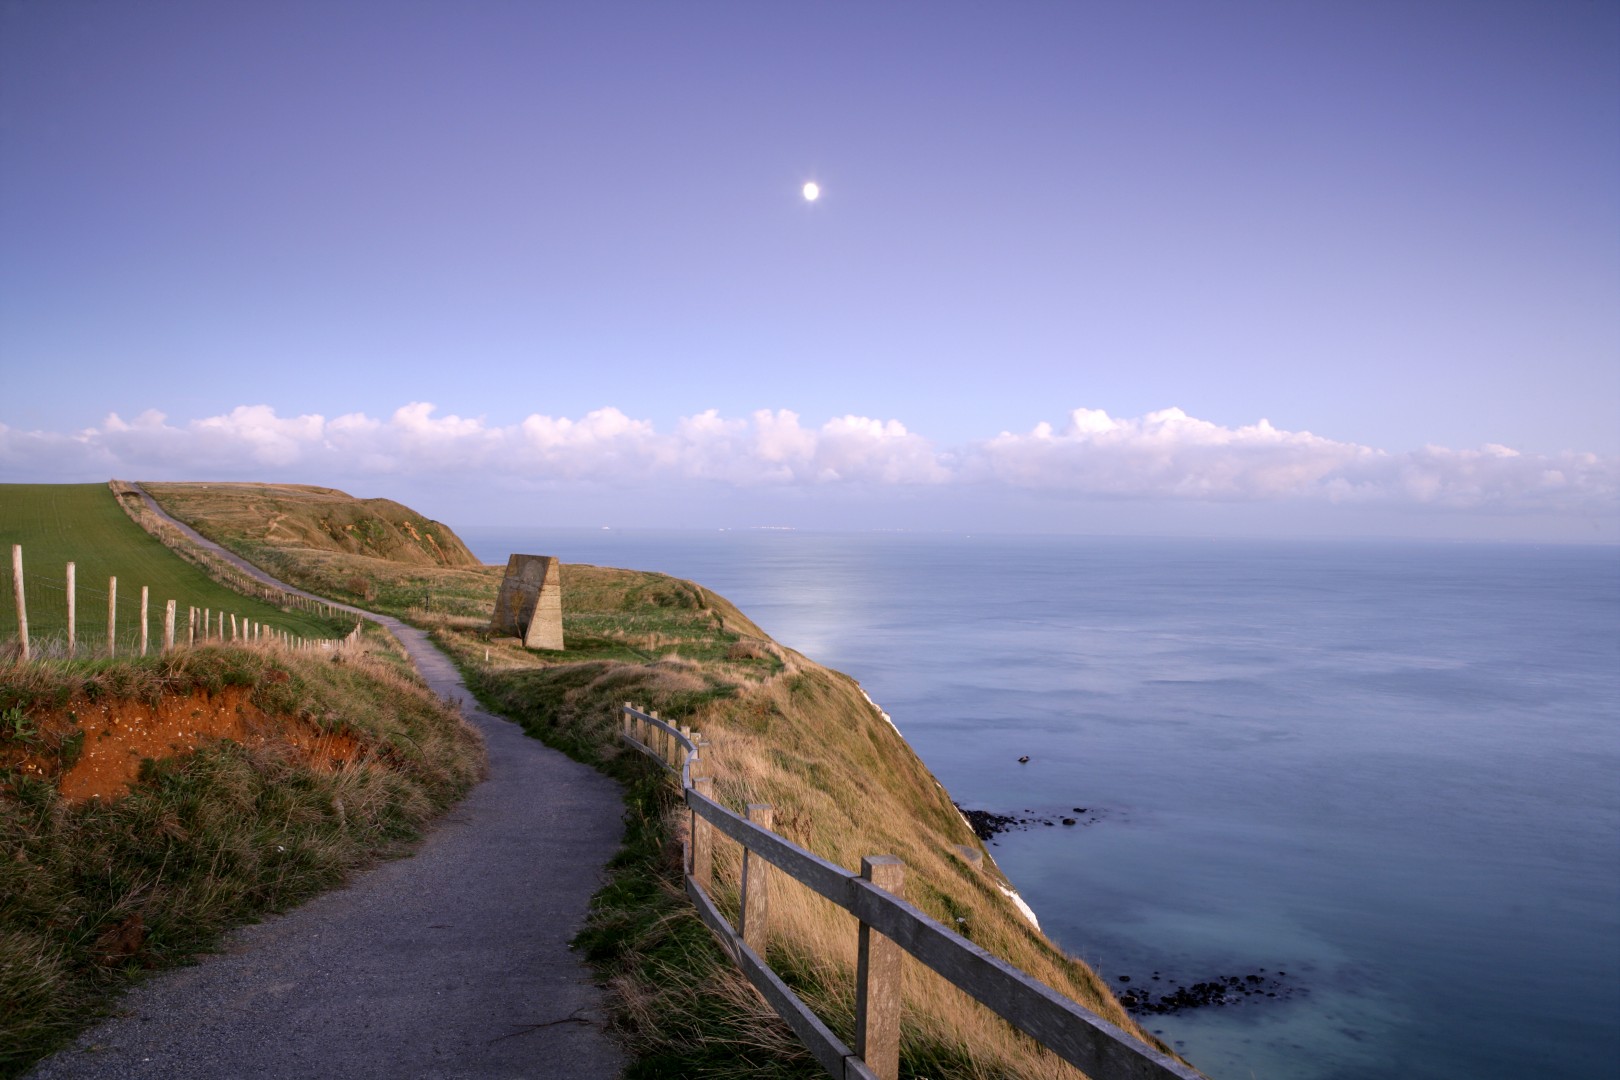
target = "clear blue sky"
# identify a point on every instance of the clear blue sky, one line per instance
(1391, 230)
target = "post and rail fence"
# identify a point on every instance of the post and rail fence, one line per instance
(887, 926)
(202, 625)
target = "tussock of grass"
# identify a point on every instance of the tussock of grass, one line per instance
(94, 895)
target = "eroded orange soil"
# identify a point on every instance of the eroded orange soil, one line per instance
(119, 733)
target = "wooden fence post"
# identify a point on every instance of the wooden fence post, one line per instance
(702, 868)
(144, 589)
(756, 881)
(72, 612)
(233, 626)
(624, 714)
(168, 626)
(877, 979)
(112, 617)
(20, 596)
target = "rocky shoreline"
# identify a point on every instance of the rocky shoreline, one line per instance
(1259, 985)
(1139, 998)
(988, 824)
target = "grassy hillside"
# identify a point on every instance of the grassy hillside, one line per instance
(783, 730)
(367, 551)
(147, 805)
(312, 519)
(83, 523)
(370, 551)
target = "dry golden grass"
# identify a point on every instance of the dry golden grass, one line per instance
(306, 518)
(844, 785)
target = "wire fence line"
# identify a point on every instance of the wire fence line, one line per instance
(210, 563)
(181, 626)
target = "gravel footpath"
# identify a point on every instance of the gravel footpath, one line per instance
(452, 962)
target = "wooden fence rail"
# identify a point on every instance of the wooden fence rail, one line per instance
(887, 925)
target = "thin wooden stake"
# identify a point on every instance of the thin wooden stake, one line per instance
(877, 978)
(144, 590)
(756, 887)
(20, 596)
(168, 626)
(72, 612)
(112, 617)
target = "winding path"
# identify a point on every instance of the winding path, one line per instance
(452, 962)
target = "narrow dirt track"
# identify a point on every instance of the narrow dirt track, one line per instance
(453, 962)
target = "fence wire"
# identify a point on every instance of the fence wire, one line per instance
(45, 604)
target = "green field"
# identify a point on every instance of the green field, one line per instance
(82, 523)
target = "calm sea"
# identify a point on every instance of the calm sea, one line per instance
(1391, 771)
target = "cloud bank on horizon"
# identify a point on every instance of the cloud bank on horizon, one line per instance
(1165, 455)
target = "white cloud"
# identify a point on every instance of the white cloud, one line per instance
(1164, 455)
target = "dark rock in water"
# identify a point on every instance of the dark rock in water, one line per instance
(986, 823)
(1024, 760)
(1222, 990)
(1079, 809)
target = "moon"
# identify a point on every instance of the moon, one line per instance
(812, 191)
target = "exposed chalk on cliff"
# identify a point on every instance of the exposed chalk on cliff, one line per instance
(1018, 902)
(886, 717)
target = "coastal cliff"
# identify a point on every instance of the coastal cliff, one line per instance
(781, 729)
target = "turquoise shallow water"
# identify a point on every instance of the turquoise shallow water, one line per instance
(1389, 770)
